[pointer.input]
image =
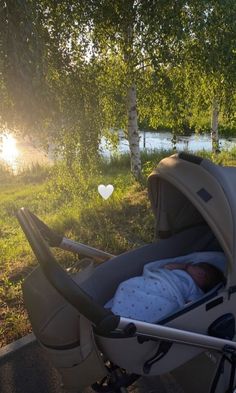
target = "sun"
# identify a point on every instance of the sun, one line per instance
(8, 149)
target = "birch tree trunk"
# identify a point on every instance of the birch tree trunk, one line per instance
(133, 133)
(214, 126)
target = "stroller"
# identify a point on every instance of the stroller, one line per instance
(194, 205)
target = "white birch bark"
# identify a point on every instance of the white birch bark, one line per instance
(214, 126)
(133, 133)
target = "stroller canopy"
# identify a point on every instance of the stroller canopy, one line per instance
(187, 190)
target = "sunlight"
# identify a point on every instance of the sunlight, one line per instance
(8, 149)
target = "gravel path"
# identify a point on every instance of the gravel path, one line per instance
(28, 371)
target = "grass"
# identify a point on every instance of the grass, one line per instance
(70, 203)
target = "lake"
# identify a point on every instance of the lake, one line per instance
(21, 153)
(163, 141)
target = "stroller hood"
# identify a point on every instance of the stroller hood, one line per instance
(187, 190)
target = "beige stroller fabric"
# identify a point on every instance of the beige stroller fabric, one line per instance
(185, 193)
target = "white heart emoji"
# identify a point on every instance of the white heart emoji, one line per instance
(105, 191)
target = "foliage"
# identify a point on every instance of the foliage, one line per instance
(203, 71)
(23, 64)
(211, 58)
(48, 88)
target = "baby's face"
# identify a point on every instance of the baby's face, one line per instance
(198, 274)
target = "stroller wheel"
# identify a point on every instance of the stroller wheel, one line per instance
(115, 382)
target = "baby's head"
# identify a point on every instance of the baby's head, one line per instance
(206, 276)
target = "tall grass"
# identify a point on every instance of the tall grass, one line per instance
(6, 173)
(34, 173)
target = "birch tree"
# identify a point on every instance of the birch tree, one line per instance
(214, 125)
(211, 52)
(141, 34)
(198, 88)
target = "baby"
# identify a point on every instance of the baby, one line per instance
(163, 290)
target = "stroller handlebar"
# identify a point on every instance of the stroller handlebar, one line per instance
(56, 240)
(103, 319)
(51, 237)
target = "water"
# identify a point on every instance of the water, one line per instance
(21, 153)
(163, 141)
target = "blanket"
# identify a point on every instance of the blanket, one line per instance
(159, 291)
